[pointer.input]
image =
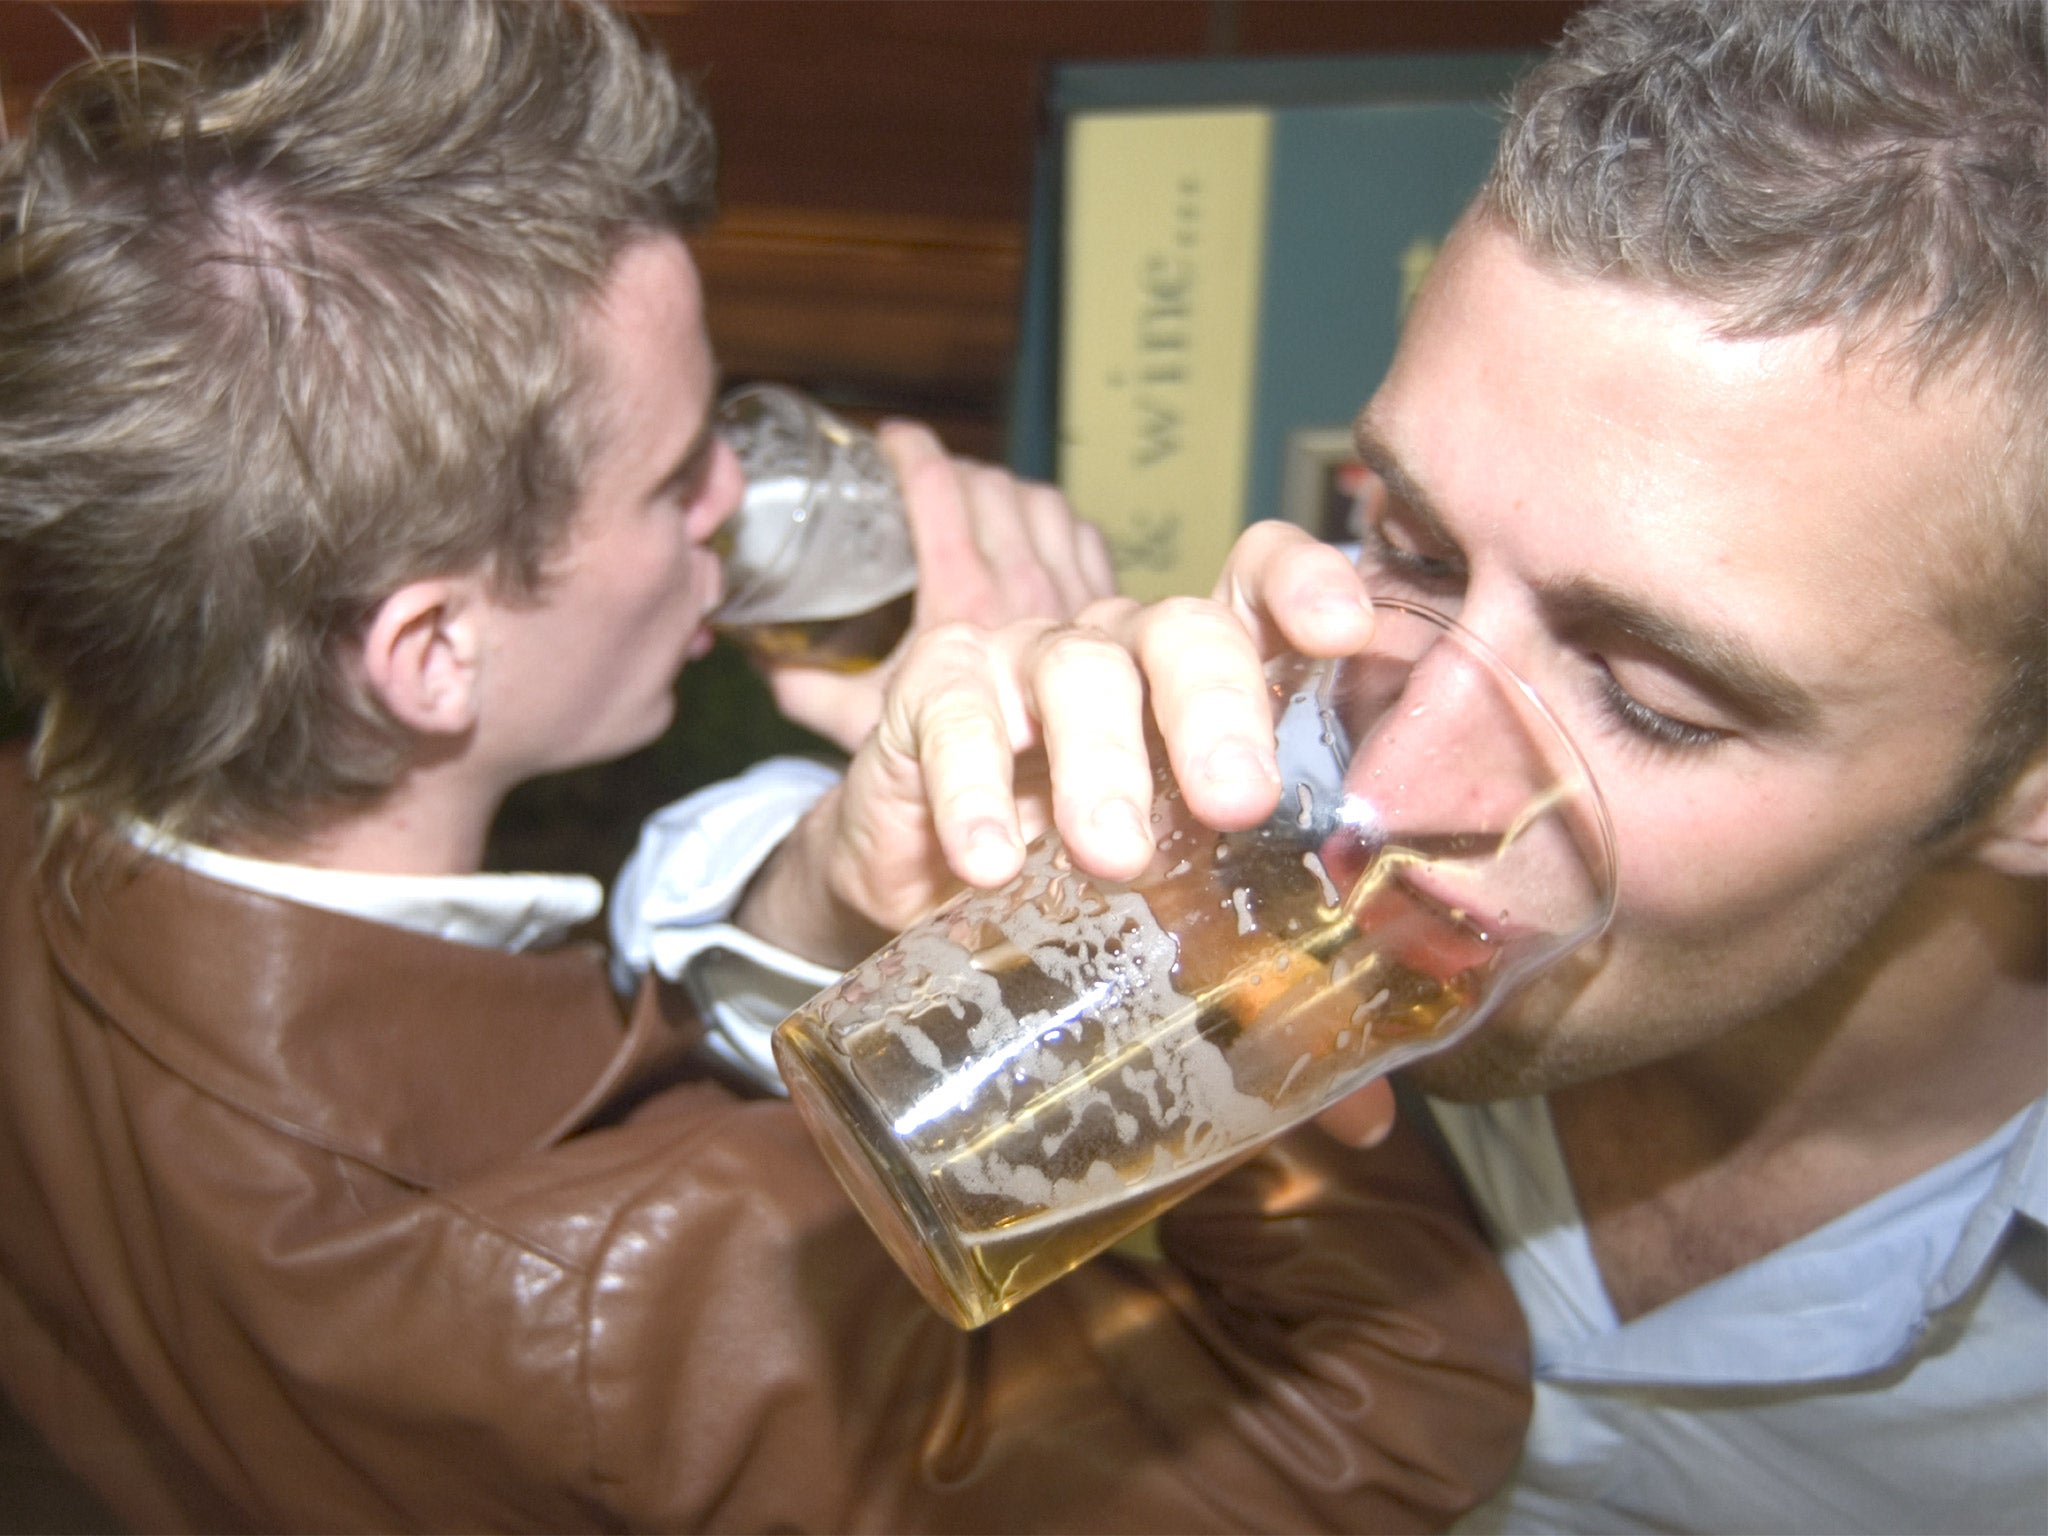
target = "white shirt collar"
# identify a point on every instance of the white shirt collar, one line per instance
(491, 911)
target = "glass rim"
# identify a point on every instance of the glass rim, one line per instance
(765, 574)
(1609, 871)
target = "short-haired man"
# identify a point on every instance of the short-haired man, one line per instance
(1722, 416)
(355, 466)
(1726, 412)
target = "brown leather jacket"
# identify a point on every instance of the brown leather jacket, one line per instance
(312, 1223)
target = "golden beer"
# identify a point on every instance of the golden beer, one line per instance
(1145, 1055)
(851, 644)
(1029, 1074)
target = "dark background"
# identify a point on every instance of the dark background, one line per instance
(875, 169)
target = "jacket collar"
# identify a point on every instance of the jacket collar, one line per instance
(427, 1059)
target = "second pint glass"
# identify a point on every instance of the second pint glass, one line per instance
(819, 568)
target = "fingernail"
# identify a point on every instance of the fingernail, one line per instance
(1119, 818)
(989, 845)
(1236, 761)
(1336, 601)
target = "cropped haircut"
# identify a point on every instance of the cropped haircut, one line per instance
(281, 330)
(1876, 169)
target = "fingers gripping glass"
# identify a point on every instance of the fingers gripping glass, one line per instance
(1033, 1072)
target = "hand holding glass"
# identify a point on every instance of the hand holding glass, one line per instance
(1033, 1072)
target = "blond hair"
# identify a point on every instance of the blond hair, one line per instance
(280, 330)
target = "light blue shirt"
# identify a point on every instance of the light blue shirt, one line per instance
(1888, 1372)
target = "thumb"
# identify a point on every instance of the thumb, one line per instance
(1362, 1118)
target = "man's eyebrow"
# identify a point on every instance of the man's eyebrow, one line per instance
(1720, 662)
(1374, 453)
(691, 463)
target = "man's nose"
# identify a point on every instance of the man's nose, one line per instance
(1443, 754)
(725, 487)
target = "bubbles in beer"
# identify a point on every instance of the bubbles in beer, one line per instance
(1060, 1060)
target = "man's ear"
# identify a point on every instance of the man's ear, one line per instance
(2015, 840)
(423, 655)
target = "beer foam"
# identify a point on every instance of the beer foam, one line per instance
(1103, 1090)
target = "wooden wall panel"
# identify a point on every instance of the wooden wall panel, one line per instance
(875, 155)
(930, 106)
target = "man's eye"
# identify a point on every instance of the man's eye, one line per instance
(1650, 724)
(1382, 549)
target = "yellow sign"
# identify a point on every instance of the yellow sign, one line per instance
(1164, 222)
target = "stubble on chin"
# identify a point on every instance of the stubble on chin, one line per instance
(1488, 1068)
(1529, 1047)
